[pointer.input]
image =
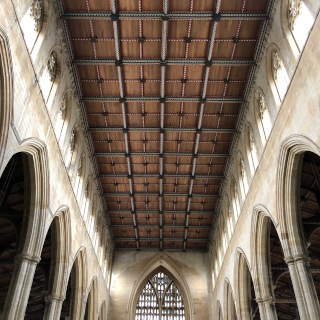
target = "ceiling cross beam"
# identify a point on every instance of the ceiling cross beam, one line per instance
(157, 212)
(154, 194)
(157, 99)
(155, 175)
(159, 16)
(164, 154)
(203, 62)
(167, 129)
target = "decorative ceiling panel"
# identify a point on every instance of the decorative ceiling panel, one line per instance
(162, 86)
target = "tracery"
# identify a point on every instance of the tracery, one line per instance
(160, 299)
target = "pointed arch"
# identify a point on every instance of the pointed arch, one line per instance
(91, 305)
(220, 314)
(37, 155)
(79, 283)
(6, 92)
(229, 301)
(63, 234)
(161, 262)
(290, 160)
(103, 311)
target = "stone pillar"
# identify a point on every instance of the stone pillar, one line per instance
(20, 286)
(267, 308)
(53, 307)
(303, 286)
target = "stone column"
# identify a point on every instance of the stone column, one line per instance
(20, 286)
(267, 308)
(53, 307)
(303, 286)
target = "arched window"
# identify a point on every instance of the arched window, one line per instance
(300, 21)
(160, 299)
(251, 148)
(234, 198)
(243, 181)
(279, 74)
(262, 116)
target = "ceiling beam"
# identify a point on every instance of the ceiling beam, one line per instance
(160, 16)
(151, 194)
(155, 175)
(168, 154)
(168, 99)
(152, 129)
(165, 239)
(157, 226)
(164, 212)
(226, 62)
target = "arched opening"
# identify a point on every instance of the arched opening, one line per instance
(160, 298)
(286, 304)
(90, 310)
(14, 211)
(247, 298)
(309, 201)
(231, 308)
(72, 305)
(103, 311)
(6, 92)
(220, 315)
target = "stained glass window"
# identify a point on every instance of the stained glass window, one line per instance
(160, 299)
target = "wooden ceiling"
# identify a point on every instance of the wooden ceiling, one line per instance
(162, 86)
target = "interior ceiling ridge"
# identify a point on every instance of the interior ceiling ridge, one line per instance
(195, 62)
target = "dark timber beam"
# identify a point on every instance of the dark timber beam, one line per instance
(164, 212)
(155, 175)
(165, 239)
(168, 154)
(157, 226)
(168, 99)
(149, 194)
(160, 16)
(152, 129)
(226, 62)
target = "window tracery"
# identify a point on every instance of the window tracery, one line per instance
(160, 299)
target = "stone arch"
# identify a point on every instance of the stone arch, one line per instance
(91, 305)
(229, 304)
(79, 284)
(6, 92)
(161, 261)
(37, 155)
(261, 260)
(102, 315)
(290, 158)
(219, 309)
(60, 271)
(244, 285)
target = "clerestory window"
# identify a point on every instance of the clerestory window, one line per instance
(160, 299)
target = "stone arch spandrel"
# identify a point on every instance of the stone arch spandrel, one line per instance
(6, 92)
(165, 262)
(291, 153)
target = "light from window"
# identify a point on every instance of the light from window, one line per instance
(160, 300)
